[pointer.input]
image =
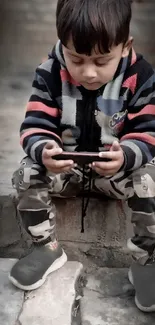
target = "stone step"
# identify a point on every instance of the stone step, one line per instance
(103, 242)
(52, 304)
(107, 227)
(109, 300)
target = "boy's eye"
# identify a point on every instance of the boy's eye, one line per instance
(100, 64)
(76, 62)
(97, 63)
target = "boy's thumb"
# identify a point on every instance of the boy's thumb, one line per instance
(51, 145)
(115, 146)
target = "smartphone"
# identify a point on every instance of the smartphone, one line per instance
(81, 158)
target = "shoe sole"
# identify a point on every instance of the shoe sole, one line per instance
(139, 306)
(55, 266)
(130, 277)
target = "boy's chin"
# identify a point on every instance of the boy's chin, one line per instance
(93, 86)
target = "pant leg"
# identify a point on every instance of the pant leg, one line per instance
(138, 189)
(35, 189)
(119, 186)
(142, 204)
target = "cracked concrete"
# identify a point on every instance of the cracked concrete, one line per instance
(58, 290)
(52, 304)
(11, 298)
(109, 299)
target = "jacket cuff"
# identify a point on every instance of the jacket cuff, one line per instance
(129, 158)
(39, 150)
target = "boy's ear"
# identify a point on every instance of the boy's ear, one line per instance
(127, 47)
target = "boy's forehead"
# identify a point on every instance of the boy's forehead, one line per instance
(95, 51)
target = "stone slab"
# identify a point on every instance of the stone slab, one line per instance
(109, 300)
(11, 299)
(107, 227)
(52, 303)
(103, 244)
(105, 221)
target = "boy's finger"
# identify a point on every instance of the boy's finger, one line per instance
(105, 165)
(52, 152)
(111, 155)
(102, 172)
(61, 163)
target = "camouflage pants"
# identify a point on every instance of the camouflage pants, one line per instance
(35, 188)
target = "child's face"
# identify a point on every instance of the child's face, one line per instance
(96, 70)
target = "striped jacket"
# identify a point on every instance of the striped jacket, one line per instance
(77, 119)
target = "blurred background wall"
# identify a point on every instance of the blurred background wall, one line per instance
(27, 33)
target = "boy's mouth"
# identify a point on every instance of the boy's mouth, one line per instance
(92, 85)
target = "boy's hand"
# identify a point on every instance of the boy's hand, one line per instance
(110, 168)
(50, 150)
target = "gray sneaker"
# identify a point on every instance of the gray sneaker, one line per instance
(142, 278)
(30, 272)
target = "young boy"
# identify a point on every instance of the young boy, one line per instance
(93, 93)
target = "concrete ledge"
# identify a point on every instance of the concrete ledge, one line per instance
(107, 226)
(103, 243)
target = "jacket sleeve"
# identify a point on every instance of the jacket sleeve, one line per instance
(138, 143)
(42, 118)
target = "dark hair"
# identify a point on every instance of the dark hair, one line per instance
(104, 23)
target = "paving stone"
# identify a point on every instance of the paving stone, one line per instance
(109, 300)
(52, 303)
(11, 299)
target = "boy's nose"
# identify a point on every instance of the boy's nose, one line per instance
(89, 73)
